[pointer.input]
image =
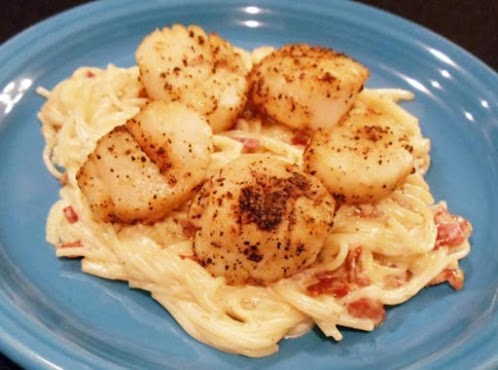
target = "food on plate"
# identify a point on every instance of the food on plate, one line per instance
(260, 219)
(306, 87)
(203, 71)
(255, 194)
(361, 159)
(142, 170)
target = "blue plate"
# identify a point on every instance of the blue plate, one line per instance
(52, 315)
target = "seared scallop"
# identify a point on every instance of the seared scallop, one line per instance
(306, 87)
(141, 171)
(362, 159)
(173, 60)
(260, 219)
(204, 72)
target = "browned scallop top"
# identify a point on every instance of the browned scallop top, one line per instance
(259, 220)
(265, 202)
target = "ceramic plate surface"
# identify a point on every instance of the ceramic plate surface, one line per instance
(52, 315)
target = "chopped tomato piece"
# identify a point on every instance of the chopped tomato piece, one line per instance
(89, 74)
(70, 214)
(367, 308)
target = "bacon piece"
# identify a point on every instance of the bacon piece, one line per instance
(192, 257)
(354, 268)
(142, 93)
(452, 230)
(73, 244)
(64, 179)
(336, 287)
(453, 275)
(189, 229)
(89, 74)
(367, 308)
(250, 144)
(395, 281)
(70, 214)
(453, 234)
(340, 282)
(301, 137)
(367, 210)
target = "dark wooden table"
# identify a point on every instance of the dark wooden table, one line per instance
(472, 24)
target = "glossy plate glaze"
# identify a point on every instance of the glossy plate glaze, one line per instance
(52, 315)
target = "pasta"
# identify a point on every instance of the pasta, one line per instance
(377, 253)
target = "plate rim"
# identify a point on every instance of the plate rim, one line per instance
(23, 352)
